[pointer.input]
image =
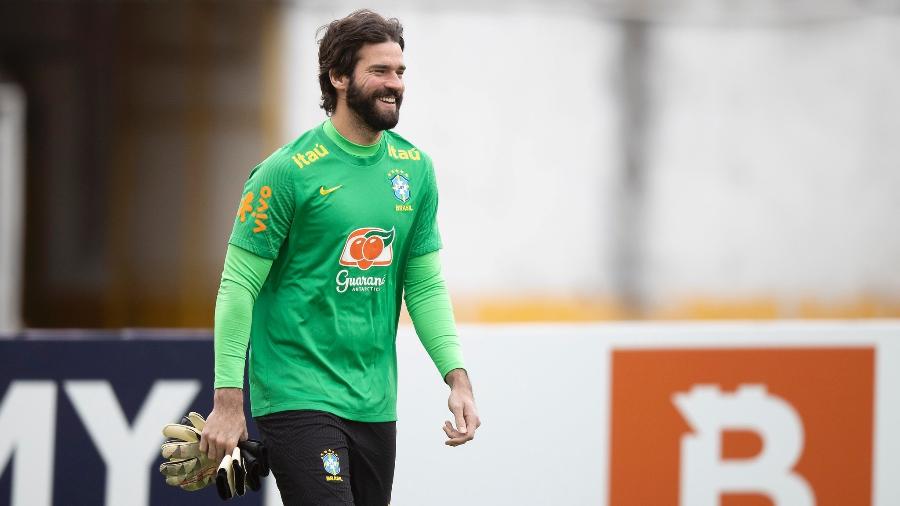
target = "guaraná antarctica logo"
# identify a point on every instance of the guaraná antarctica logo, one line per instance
(365, 248)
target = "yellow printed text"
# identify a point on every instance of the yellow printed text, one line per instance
(305, 159)
(404, 154)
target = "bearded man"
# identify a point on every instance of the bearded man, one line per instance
(333, 230)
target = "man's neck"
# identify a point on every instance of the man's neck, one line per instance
(352, 128)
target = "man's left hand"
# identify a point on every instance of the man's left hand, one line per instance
(462, 405)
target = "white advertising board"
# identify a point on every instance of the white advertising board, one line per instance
(662, 414)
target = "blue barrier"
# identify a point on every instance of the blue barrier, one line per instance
(60, 376)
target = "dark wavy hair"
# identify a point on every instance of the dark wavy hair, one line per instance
(340, 45)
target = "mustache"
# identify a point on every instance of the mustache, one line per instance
(397, 95)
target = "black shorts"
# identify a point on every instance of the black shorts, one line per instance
(320, 459)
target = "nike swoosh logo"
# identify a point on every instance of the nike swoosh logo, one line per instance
(324, 192)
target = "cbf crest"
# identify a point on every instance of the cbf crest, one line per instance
(400, 184)
(332, 464)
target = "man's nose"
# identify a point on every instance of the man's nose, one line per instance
(394, 83)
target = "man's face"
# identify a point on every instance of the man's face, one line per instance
(375, 90)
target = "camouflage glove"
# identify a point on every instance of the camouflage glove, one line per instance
(191, 470)
(187, 467)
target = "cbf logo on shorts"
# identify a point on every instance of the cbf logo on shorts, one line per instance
(742, 427)
(332, 464)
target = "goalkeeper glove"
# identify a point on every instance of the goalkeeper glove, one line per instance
(242, 469)
(191, 470)
(187, 467)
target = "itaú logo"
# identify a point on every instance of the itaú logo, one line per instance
(367, 247)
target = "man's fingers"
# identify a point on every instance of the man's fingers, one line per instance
(219, 447)
(467, 422)
(460, 420)
(213, 453)
(452, 434)
(456, 438)
(451, 430)
(472, 421)
(214, 448)
(458, 441)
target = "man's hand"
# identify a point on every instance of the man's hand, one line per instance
(462, 405)
(226, 425)
(190, 469)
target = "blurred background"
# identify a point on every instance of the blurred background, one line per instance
(597, 160)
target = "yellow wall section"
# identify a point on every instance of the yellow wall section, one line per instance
(579, 309)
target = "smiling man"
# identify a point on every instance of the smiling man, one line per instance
(332, 231)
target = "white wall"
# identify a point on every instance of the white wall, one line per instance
(772, 167)
(521, 134)
(774, 162)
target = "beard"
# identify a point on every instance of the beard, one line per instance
(366, 107)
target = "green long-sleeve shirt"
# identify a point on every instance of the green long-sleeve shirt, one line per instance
(427, 302)
(328, 238)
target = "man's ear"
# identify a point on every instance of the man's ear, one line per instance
(339, 82)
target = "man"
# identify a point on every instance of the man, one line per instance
(332, 230)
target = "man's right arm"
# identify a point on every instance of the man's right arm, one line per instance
(262, 222)
(242, 279)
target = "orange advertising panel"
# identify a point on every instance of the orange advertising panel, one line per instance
(742, 427)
